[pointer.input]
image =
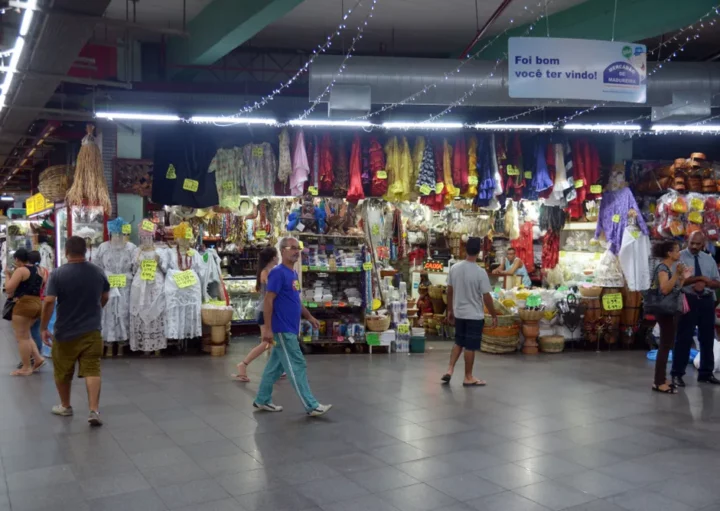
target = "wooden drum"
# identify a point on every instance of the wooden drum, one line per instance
(630, 316)
(592, 316)
(611, 318)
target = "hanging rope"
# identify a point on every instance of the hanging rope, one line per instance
(614, 18)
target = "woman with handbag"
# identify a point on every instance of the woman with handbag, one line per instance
(666, 284)
(24, 287)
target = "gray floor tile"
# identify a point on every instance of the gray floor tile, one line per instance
(67, 496)
(643, 500)
(283, 499)
(597, 483)
(399, 453)
(107, 486)
(507, 501)
(688, 490)
(145, 500)
(418, 497)
(551, 466)
(554, 495)
(207, 450)
(195, 436)
(304, 472)
(471, 460)
(48, 476)
(382, 479)
(160, 458)
(174, 474)
(195, 492)
(215, 505)
(465, 486)
(510, 476)
(633, 473)
(589, 457)
(364, 503)
(512, 451)
(430, 468)
(356, 462)
(229, 464)
(250, 481)
(596, 505)
(327, 491)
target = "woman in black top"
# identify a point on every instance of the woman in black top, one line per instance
(23, 286)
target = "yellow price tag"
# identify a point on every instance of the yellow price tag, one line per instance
(190, 185)
(616, 219)
(425, 189)
(301, 245)
(188, 234)
(375, 230)
(117, 280)
(312, 190)
(562, 253)
(579, 183)
(697, 204)
(171, 172)
(147, 225)
(260, 234)
(635, 234)
(456, 192)
(439, 187)
(367, 266)
(305, 267)
(126, 228)
(513, 171)
(185, 279)
(695, 217)
(612, 302)
(258, 151)
(595, 188)
(376, 304)
(227, 186)
(403, 328)
(381, 174)
(597, 256)
(527, 175)
(147, 269)
(472, 180)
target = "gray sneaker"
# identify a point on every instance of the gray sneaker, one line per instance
(269, 407)
(94, 419)
(62, 411)
(320, 410)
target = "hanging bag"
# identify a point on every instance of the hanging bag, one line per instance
(8, 309)
(657, 303)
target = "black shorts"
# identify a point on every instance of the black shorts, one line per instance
(468, 333)
(261, 318)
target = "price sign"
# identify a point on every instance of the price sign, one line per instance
(635, 234)
(562, 253)
(439, 187)
(527, 175)
(227, 185)
(260, 234)
(37, 203)
(147, 225)
(185, 279)
(472, 180)
(117, 280)
(436, 266)
(170, 174)
(312, 190)
(425, 189)
(258, 151)
(375, 230)
(381, 174)
(579, 183)
(126, 228)
(456, 192)
(616, 219)
(403, 328)
(595, 188)
(597, 256)
(697, 204)
(367, 266)
(376, 304)
(190, 185)
(305, 267)
(147, 269)
(612, 302)
(188, 234)
(372, 339)
(533, 301)
(307, 338)
(301, 245)
(513, 171)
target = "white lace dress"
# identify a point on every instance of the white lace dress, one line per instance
(116, 260)
(211, 276)
(147, 304)
(182, 305)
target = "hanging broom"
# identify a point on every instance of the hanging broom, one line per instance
(89, 186)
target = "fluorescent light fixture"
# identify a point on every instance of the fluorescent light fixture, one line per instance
(695, 128)
(17, 52)
(330, 123)
(602, 127)
(131, 116)
(6, 198)
(233, 120)
(26, 21)
(518, 127)
(407, 125)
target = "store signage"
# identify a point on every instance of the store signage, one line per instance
(513, 171)
(435, 266)
(147, 269)
(36, 204)
(126, 228)
(472, 180)
(612, 302)
(117, 280)
(185, 278)
(261, 234)
(547, 67)
(191, 185)
(312, 190)
(579, 183)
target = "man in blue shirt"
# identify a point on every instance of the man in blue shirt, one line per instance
(284, 308)
(699, 289)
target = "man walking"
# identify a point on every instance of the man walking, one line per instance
(699, 291)
(468, 288)
(81, 291)
(283, 308)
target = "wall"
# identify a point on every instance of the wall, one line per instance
(129, 145)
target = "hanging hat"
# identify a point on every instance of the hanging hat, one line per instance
(115, 226)
(245, 207)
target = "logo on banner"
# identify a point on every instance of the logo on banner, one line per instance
(621, 74)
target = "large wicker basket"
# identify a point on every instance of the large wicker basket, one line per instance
(531, 315)
(502, 339)
(377, 323)
(216, 317)
(54, 182)
(552, 343)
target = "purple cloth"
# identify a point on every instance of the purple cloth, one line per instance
(617, 203)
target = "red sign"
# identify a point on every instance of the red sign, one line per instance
(434, 266)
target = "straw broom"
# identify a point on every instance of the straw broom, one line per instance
(89, 186)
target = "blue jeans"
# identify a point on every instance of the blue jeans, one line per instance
(287, 357)
(35, 333)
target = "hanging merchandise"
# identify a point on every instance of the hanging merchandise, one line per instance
(183, 294)
(515, 169)
(262, 169)
(635, 256)
(569, 171)
(116, 259)
(300, 166)
(147, 297)
(485, 170)
(355, 192)
(608, 272)
(327, 165)
(285, 165)
(379, 184)
(451, 190)
(472, 188)
(552, 218)
(315, 181)
(366, 172)
(616, 203)
(460, 164)
(426, 184)
(417, 157)
(228, 165)
(398, 165)
(512, 222)
(342, 173)
(556, 158)
(523, 246)
(541, 180)
(550, 250)
(89, 185)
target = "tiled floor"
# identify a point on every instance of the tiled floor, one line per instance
(573, 431)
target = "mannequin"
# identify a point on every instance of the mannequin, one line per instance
(182, 304)
(47, 256)
(116, 258)
(147, 298)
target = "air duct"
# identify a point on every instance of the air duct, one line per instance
(393, 79)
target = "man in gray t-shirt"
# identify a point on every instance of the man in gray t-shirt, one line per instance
(81, 291)
(468, 289)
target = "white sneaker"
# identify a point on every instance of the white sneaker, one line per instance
(62, 411)
(269, 407)
(320, 410)
(94, 419)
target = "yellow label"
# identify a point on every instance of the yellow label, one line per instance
(147, 269)
(456, 192)
(472, 180)
(527, 175)
(307, 338)
(312, 190)
(579, 183)
(376, 304)
(381, 174)
(260, 234)
(36, 203)
(367, 266)
(375, 230)
(185, 278)
(616, 219)
(188, 235)
(439, 187)
(117, 280)
(227, 185)
(218, 303)
(562, 253)
(597, 256)
(403, 328)
(305, 267)
(635, 234)
(612, 302)
(301, 245)
(425, 189)
(258, 151)
(126, 228)
(695, 217)
(171, 172)
(147, 225)
(697, 204)
(190, 185)
(513, 171)
(595, 188)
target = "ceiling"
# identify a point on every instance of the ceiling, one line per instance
(163, 13)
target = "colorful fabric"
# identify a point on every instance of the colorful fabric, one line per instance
(228, 166)
(300, 166)
(355, 192)
(261, 169)
(285, 166)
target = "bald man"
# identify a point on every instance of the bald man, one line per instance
(699, 290)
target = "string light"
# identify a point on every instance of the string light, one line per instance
(407, 125)
(231, 121)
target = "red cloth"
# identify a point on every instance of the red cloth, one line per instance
(516, 183)
(550, 250)
(377, 162)
(524, 246)
(460, 164)
(325, 170)
(355, 192)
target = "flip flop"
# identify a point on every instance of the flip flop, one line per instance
(18, 372)
(478, 383)
(240, 377)
(670, 389)
(446, 378)
(42, 364)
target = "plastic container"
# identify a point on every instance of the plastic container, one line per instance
(417, 344)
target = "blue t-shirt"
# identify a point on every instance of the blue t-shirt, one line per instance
(287, 307)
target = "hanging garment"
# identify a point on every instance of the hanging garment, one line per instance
(460, 164)
(342, 176)
(580, 180)
(524, 246)
(210, 273)
(634, 256)
(426, 174)
(182, 305)
(355, 192)
(47, 256)
(183, 153)
(591, 167)
(569, 171)
(552, 218)
(472, 188)
(417, 156)
(300, 166)
(116, 259)
(486, 172)
(398, 165)
(147, 303)
(316, 163)
(512, 222)
(228, 166)
(514, 170)
(550, 250)
(326, 165)
(541, 175)
(262, 169)
(612, 218)
(285, 166)
(498, 162)
(377, 164)
(366, 172)
(451, 190)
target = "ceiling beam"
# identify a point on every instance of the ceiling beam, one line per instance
(222, 26)
(635, 20)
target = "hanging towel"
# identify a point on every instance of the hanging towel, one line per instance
(300, 166)
(377, 164)
(355, 192)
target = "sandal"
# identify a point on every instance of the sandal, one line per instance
(40, 366)
(476, 383)
(669, 390)
(19, 372)
(241, 377)
(446, 378)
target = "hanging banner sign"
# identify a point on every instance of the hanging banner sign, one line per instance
(36, 204)
(546, 67)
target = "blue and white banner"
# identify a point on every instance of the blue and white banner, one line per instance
(546, 67)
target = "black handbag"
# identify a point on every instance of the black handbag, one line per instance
(8, 309)
(657, 303)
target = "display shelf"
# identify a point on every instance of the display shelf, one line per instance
(580, 226)
(240, 277)
(333, 340)
(243, 322)
(314, 235)
(317, 269)
(318, 305)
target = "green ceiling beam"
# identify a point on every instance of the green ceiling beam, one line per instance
(223, 26)
(636, 20)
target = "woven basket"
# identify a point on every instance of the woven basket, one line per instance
(552, 343)
(591, 292)
(492, 344)
(507, 320)
(377, 323)
(54, 182)
(216, 317)
(436, 292)
(528, 315)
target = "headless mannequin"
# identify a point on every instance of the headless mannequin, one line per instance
(117, 242)
(147, 245)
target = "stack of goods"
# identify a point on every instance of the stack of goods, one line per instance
(693, 174)
(678, 216)
(337, 329)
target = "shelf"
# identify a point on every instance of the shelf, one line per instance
(315, 269)
(580, 226)
(332, 340)
(313, 235)
(243, 322)
(317, 305)
(241, 277)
